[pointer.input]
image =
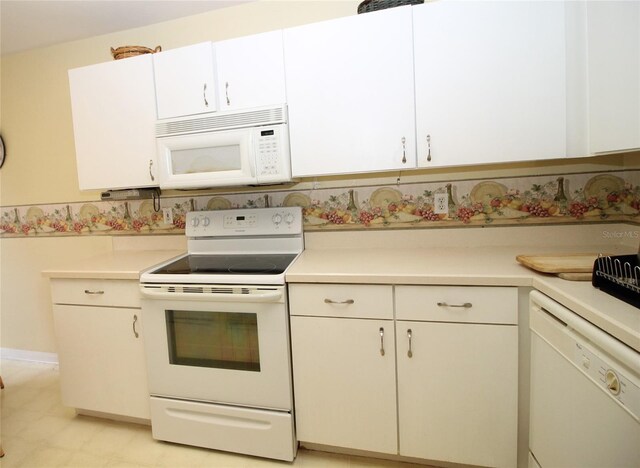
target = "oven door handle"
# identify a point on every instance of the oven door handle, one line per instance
(248, 295)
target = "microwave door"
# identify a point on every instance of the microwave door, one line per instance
(206, 160)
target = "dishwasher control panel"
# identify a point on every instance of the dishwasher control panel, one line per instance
(609, 377)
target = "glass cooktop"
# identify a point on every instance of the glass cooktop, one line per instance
(258, 264)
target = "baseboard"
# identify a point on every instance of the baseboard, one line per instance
(32, 356)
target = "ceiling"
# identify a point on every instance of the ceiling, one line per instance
(29, 24)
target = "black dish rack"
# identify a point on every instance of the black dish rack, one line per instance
(375, 5)
(619, 276)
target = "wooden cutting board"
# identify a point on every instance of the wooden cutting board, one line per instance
(570, 263)
(576, 276)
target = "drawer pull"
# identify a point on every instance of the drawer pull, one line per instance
(409, 353)
(86, 291)
(331, 301)
(381, 341)
(466, 305)
(135, 320)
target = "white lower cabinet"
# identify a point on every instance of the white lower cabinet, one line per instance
(453, 360)
(344, 367)
(100, 347)
(344, 387)
(458, 392)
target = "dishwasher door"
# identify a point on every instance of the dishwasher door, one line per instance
(585, 392)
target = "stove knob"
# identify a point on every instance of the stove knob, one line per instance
(195, 222)
(206, 221)
(277, 218)
(289, 218)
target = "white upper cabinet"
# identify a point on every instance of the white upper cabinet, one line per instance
(185, 81)
(114, 116)
(350, 94)
(251, 71)
(613, 57)
(490, 81)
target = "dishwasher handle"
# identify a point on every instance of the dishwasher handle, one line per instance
(572, 323)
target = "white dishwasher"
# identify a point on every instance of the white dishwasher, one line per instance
(585, 393)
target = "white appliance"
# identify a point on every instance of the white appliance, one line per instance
(216, 326)
(585, 392)
(233, 148)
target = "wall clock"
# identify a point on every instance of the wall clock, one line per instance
(1, 152)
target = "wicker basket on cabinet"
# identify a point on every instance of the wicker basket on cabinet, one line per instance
(132, 51)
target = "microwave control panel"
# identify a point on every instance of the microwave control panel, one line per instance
(272, 154)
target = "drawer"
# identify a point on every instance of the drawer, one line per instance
(96, 292)
(342, 300)
(464, 304)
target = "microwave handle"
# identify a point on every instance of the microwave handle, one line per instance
(150, 171)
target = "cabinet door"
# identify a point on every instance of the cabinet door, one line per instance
(251, 71)
(458, 392)
(345, 393)
(114, 117)
(490, 81)
(613, 55)
(102, 362)
(185, 81)
(350, 94)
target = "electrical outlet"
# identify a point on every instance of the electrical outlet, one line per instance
(440, 205)
(167, 215)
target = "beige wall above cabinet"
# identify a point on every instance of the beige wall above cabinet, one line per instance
(490, 81)
(113, 105)
(350, 94)
(613, 57)
(185, 80)
(251, 71)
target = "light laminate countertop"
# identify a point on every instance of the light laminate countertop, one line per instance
(484, 266)
(118, 264)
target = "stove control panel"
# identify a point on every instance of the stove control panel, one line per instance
(245, 222)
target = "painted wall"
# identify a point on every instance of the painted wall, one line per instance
(35, 121)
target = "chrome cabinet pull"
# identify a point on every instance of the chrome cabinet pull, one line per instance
(135, 320)
(204, 95)
(150, 172)
(226, 92)
(429, 148)
(86, 291)
(331, 301)
(381, 341)
(466, 305)
(404, 150)
(409, 353)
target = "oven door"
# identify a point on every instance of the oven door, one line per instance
(223, 344)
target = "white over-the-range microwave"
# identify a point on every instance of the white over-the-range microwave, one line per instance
(231, 148)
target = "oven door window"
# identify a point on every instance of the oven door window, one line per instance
(221, 340)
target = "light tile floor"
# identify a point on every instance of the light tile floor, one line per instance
(37, 431)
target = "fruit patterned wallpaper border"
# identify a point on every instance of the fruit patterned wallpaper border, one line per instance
(604, 197)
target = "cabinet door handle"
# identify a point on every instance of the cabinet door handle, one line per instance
(466, 305)
(150, 171)
(86, 291)
(226, 92)
(428, 148)
(204, 95)
(135, 320)
(381, 341)
(409, 353)
(331, 301)
(404, 150)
